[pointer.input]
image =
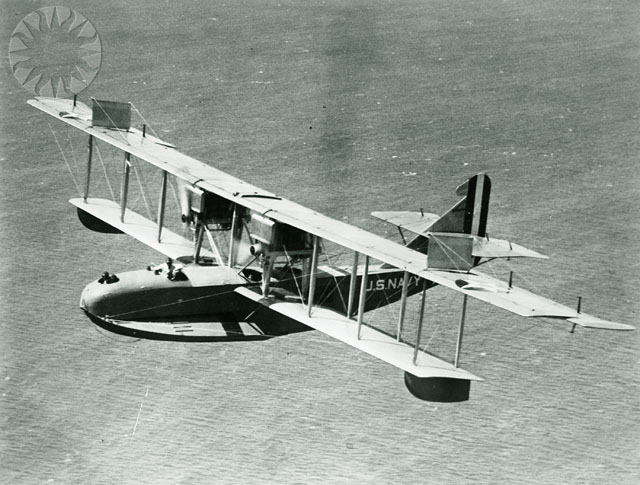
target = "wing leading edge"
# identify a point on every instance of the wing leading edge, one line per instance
(371, 341)
(164, 156)
(516, 300)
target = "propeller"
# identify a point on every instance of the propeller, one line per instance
(185, 197)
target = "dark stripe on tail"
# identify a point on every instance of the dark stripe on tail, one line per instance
(468, 216)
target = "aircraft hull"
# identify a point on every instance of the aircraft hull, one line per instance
(220, 329)
(203, 307)
(199, 303)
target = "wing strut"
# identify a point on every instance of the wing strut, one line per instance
(88, 179)
(578, 312)
(236, 234)
(214, 246)
(199, 235)
(314, 272)
(363, 293)
(460, 329)
(124, 188)
(161, 203)
(420, 319)
(403, 304)
(352, 284)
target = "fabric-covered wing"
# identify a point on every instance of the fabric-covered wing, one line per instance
(138, 227)
(210, 179)
(516, 300)
(371, 341)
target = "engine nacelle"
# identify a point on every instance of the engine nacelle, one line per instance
(206, 206)
(274, 237)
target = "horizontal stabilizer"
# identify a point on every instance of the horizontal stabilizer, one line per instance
(421, 222)
(417, 222)
(138, 227)
(499, 248)
(371, 341)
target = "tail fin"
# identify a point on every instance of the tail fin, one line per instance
(468, 216)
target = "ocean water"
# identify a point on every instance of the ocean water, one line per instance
(347, 107)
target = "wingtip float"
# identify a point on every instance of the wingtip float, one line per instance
(272, 277)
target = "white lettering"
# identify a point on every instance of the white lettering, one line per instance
(391, 283)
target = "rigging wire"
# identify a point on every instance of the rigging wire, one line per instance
(164, 305)
(104, 169)
(144, 121)
(144, 199)
(73, 153)
(295, 280)
(523, 275)
(175, 194)
(433, 334)
(387, 308)
(335, 280)
(446, 249)
(65, 161)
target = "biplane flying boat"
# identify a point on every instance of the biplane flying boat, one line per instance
(269, 280)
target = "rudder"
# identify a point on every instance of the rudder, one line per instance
(469, 215)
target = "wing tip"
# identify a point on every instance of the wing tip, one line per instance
(589, 321)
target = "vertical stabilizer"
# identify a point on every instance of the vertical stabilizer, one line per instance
(469, 216)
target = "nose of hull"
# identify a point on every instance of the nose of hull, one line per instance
(93, 298)
(201, 306)
(88, 298)
(148, 295)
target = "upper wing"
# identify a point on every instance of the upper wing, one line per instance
(516, 300)
(216, 181)
(210, 179)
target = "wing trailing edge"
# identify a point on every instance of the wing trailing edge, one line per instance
(371, 341)
(467, 217)
(515, 300)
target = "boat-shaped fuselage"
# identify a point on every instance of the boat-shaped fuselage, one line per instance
(199, 302)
